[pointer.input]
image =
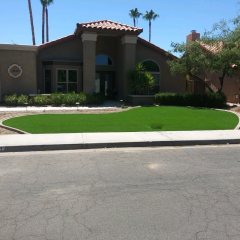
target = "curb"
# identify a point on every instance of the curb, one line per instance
(116, 145)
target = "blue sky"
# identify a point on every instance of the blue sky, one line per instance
(177, 18)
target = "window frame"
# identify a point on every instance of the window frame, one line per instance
(67, 78)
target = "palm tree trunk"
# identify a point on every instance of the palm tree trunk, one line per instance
(134, 22)
(150, 30)
(47, 25)
(43, 25)
(31, 21)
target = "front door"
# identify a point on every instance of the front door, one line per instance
(105, 84)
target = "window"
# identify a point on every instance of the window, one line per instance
(48, 80)
(153, 68)
(67, 80)
(103, 60)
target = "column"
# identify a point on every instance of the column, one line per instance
(89, 65)
(128, 62)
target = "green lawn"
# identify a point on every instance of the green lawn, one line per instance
(134, 120)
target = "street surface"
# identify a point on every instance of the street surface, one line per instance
(189, 193)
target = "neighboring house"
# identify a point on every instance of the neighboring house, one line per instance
(231, 86)
(96, 58)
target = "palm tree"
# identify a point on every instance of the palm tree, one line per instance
(31, 21)
(134, 14)
(43, 2)
(150, 16)
(48, 3)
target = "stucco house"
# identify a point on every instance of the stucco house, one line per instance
(97, 57)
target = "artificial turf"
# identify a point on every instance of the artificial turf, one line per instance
(134, 120)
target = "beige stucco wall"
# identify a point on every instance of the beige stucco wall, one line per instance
(68, 53)
(24, 56)
(231, 86)
(168, 82)
(70, 50)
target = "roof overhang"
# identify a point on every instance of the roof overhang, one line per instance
(107, 27)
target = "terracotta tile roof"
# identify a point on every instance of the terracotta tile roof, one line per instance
(108, 25)
(213, 48)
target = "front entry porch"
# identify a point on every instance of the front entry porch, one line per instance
(105, 84)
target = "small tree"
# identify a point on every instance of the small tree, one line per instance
(218, 51)
(225, 57)
(141, 80)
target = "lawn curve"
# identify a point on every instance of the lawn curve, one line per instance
(134, 120)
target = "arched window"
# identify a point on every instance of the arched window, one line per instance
(103, 60)
(150, 66)
(153, 68)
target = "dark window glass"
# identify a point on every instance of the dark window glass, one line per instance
(72, 76)
(62, 76)
(67, 80)
(48, 81)
(62, 87)
(103, 60)
(150, 66)
(72, 87)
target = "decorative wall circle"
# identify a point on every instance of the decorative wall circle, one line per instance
(15, 71)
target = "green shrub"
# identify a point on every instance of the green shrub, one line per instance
(69, 99)
(57, 99)
(141, 80)
(11, 100)
(214, 100)
(14, 100)
(22, 100)
(82, 98)
(41, 100)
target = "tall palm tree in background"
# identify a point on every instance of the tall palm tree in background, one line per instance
(150, 16)
(48, 3)
(45, 5)
(43, 2)
(135, 14)
(31, 21)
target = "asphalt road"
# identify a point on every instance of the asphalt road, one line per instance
(123, 194)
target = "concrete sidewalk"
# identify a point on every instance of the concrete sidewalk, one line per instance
(50, 108)
(42, 142)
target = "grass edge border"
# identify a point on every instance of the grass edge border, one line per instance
(24, 132)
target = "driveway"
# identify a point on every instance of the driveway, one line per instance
(124, 194)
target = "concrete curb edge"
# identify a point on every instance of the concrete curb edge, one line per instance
(116, 145)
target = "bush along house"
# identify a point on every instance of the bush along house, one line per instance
(96, 58)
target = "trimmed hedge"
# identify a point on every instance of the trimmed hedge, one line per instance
(212, 100)
(55, 99)
(11, 100)
(40, 100)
